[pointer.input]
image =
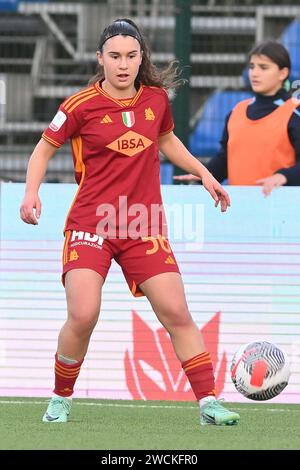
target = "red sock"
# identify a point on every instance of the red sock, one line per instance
(65, 377)
(199, 371)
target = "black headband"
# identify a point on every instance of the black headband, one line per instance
(119, 27)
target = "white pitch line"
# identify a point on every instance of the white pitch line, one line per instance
(120, 405)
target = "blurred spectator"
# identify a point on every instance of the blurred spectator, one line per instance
(260, 144)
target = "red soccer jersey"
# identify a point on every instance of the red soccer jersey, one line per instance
(115, 154)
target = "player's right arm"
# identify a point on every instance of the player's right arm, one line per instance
(36, 170)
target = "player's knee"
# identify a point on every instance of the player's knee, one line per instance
(82, 322)
(179, 317)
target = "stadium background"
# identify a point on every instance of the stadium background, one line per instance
(242, 277)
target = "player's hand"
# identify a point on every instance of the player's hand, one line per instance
(30, 209)
(274, 181)
(188, 178)
(216, 191)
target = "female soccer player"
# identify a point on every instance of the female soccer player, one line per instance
(116, 126)
(261, 139)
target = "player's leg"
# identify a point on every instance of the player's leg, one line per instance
(83, 292)
(150, 269)
(166, 294)
(86, 261)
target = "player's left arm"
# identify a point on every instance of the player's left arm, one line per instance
(179, 155)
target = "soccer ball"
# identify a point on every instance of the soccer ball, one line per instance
(260, 370)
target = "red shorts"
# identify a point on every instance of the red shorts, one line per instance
(139, 259)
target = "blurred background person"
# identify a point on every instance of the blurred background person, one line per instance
(260, 144)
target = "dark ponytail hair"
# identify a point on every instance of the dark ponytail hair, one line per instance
(148, 73)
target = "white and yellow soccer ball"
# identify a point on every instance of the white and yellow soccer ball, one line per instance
(260, 370)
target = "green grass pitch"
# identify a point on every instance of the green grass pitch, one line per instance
(113, 424)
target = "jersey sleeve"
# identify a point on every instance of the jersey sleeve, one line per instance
(63, 126)
(167, 123)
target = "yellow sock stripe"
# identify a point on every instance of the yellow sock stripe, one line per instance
(204, 355)
(194, 366)
(67, 369)
(64, 373)
(67, 375)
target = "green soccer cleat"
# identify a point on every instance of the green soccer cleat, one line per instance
(58, 410)
(214, 412)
